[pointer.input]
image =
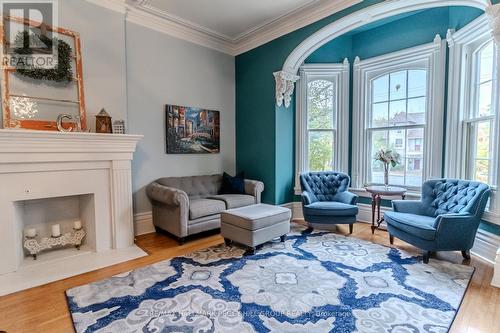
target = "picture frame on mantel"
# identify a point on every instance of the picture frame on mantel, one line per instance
(191, 130)
(35, 101)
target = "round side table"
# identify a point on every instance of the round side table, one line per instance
(377, 192)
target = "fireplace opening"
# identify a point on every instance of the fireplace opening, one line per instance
(55, 217)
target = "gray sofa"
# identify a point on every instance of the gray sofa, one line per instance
(184, 206)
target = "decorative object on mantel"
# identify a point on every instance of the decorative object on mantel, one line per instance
(62, 73)
(192, 130)
(103, 122)
(119, 127)
(23, 104)
(35, 245)
(23, 107)
(390, 159)
(285, 83)
(60, 124)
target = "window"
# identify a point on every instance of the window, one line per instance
(321, 126)
(481, 121)
(472, 145)
(397, 122)
(398, 105)
(322, 119)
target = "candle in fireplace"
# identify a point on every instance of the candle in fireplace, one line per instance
(56, 230)
(77, 225)
(31, 232)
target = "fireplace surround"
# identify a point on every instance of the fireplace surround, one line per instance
(40, 166)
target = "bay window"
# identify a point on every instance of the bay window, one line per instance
(473, 124)
(398, 104)
(322, 118)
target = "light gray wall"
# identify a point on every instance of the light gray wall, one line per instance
(165, 70)
(102, 35)
(133, 71)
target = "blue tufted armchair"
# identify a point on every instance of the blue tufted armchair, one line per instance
(325, 199)
(446, 218)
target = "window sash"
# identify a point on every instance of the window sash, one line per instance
(404, 158)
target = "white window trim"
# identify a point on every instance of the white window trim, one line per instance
(430, 56)
(462, 44)
(340, 73)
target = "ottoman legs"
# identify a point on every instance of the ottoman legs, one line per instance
(283, 238)
(227, 241)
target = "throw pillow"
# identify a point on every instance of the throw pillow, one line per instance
(233, 185)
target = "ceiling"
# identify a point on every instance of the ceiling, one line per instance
(230, 26)
(230, 19)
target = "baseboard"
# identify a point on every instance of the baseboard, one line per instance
(143, 223)
(486, 246)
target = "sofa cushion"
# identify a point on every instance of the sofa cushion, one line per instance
(417, 225)
(330, 208)
(205, 207)
(234, 200)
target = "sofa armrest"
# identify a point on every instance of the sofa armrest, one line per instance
(457, 221)
(167, 195)
(456, 231)
(407, 206)
(254, 188)
(346, 197)
(307, 199)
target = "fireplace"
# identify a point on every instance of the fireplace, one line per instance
(49, 177)
(41, 215)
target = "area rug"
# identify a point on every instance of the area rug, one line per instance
(314, 282)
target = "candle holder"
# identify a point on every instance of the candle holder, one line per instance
(35, 245)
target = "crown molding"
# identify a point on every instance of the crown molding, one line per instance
(177, 30)
(291, 22)
(141, 13)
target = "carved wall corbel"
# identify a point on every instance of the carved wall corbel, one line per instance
(285, 84)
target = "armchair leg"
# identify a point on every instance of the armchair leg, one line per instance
(391, 239)
(351, 227)
(427, 255)
(309, 230)
(466, 254)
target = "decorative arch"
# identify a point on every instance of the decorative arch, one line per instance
(286, 78)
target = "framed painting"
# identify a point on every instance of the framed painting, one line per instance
(192, 130)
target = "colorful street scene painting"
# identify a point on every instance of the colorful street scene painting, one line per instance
(192, 130)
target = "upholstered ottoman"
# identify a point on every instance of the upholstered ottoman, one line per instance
(255, 225)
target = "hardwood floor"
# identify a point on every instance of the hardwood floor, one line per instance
(44, 308)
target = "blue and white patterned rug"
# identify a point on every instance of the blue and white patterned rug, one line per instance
(319, 282)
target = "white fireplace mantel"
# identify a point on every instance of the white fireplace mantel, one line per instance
(43, 165)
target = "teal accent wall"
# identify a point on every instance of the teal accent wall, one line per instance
(265, 134)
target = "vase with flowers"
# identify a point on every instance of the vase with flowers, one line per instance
(389, 158)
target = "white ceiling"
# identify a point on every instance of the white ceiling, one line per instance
(230, 19)
(229, 26)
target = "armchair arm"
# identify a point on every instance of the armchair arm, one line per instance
(456, 231)
(346, 197)
(255, 188)
(167, 195)
(307, 199)
(407, 206)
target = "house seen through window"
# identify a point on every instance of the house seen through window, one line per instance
(397, 120)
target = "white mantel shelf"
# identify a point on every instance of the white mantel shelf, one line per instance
(15, 143)
(45, 165)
